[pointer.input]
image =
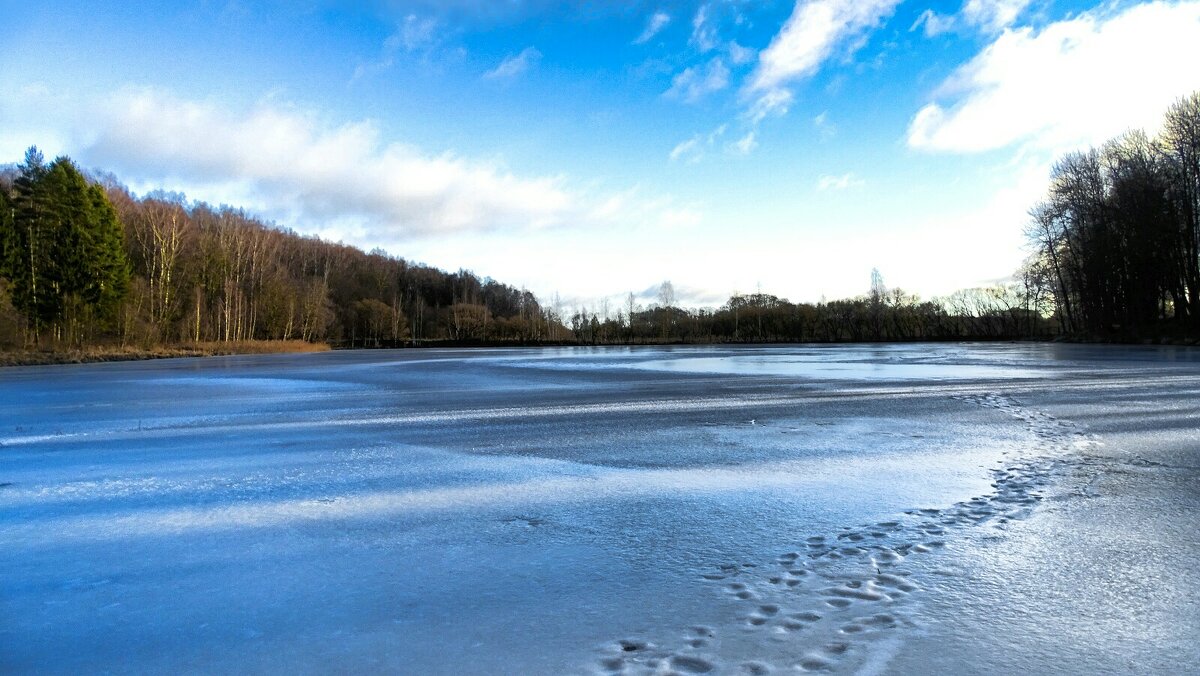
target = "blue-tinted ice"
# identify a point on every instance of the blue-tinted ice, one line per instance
(725, 510)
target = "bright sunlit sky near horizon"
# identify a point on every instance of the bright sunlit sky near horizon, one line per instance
(591, 149)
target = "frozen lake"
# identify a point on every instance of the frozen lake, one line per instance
(855, 509)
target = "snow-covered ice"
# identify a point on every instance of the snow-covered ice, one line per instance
(855, 509)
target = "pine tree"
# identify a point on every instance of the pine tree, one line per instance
(108, 275)
(29, 250)
(64, 252)
(67, 198)
(6, 233)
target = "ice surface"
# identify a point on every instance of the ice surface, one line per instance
(950, 508)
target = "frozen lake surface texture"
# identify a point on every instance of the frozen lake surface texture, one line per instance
(851, 509)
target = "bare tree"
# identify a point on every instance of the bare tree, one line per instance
(1181, 143)
(877, 298)
(666, 301)
(666, 294)
(630, 308)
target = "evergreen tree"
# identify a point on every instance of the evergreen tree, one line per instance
(29, 251)
(6, 233)
(108, 275)
(64, 252)
(69, 210)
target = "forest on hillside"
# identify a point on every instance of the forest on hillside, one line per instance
(84, 262)
(173, 272)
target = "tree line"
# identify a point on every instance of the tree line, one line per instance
(83, 262)
(1117, 238)
(1003, 311)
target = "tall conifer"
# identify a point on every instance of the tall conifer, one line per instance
(64, 250)
(29, 250)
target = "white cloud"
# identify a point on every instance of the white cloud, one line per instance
(740, 55)
(934, 24)
(993, 15)
(343, 181)
(988, 16)
(631, 209)
(682, 217)
(654, 25)
(285, 162)
(694, 149)
(696, 82)
(842, 182)
(689, 150)
(813, 33)
(414, 33)
(514, 65)
(1074, 82)
(688, 295)
(773, 103)
(745, 145)
(825, 127)
(704, 33)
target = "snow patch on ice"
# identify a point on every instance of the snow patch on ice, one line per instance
(841, 600)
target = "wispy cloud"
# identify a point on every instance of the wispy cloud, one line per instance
(739, 55)
(934, 24)
(815, 32)
(839, 182)
(415, 33)
(826, 128)
(993, 15)
(696, 82)
(772, 103)
(515, 65)
(694, 149)
(1073, 82)
(745, 145)
(689, 150)
(988, 16)
(704, 33)
(680, 217)
(654, 26)
(685, 295)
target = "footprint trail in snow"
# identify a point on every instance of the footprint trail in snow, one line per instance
(835, 602)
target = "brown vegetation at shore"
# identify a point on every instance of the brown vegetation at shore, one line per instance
(102, 353)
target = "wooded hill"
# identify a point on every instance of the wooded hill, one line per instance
(86, 262)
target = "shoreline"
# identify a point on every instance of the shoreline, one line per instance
(105, 354)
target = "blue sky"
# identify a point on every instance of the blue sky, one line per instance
(593, 149)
